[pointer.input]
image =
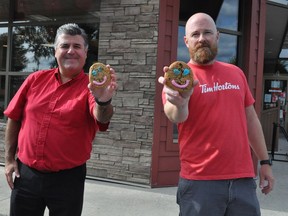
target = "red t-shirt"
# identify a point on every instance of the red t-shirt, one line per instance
(213, 140)
(57, 121)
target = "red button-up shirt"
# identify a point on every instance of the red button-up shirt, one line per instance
(57, 122)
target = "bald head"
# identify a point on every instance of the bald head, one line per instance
(200, 20)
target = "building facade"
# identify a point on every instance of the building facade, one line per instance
(137, 38)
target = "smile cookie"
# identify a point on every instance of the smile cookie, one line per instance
(99, 75)
(179, 77)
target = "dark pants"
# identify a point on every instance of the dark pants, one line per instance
(61, 192)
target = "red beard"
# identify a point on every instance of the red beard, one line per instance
(203, 53)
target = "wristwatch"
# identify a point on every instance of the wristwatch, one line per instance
(269, 162)
(100, 103)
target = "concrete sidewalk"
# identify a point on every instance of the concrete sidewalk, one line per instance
(112, 199)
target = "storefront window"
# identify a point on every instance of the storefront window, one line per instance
(32, 48)
(182, 51)
(227, 48)
(4, 14)
(32, 33)
(2, 95)
(14, 83)
(228, 15)
(284, 54)
(3, 48)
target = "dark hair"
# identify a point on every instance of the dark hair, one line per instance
(71, 29)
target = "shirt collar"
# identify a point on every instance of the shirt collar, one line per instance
(79, 76)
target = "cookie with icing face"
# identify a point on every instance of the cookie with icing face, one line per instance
(99, 75)
(179, 76)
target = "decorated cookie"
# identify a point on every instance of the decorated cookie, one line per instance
(99, 75)
(179, 77)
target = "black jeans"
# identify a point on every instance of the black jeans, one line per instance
(61, 192)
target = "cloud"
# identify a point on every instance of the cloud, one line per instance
(227, 47)
(229, 8)
(228, 16)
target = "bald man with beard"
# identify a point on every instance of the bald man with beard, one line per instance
(217, 126)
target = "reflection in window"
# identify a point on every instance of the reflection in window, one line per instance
(4, 14)
(228, 15)
(15, 83)
(282, 66)
(3, 48)
(2, 95)
(32, 48)
(227, 48)
(284, 2)
(284, 53)
(182, 51)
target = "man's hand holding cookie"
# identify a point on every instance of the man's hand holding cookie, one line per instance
(178, 83)
(102, 82)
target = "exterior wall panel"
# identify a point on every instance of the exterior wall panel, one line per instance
(254, 52)
(163, 174)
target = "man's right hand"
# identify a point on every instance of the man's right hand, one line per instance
(176, 105)
(173, 96)
(10, 169)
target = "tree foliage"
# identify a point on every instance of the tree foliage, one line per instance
(34, 41)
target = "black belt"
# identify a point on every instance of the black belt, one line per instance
(49, 171)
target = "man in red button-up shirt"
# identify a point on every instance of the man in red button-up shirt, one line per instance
(52, 121)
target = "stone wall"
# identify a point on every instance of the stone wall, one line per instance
(128, 42)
